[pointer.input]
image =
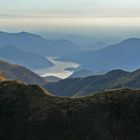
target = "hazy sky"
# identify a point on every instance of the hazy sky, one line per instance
(71, 7)
(98, 20)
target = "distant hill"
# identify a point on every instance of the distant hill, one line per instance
(132, 80)
(17, 72)
(31, 113)
(51, 79)
(97, 46)
(28, 59)
(81, 74)
(124, 55)
(84, 86)
(37, 44)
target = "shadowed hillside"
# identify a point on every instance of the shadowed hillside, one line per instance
(81, 74)
(52, 79)
(17, 72)
(31, 113)
(85, 86)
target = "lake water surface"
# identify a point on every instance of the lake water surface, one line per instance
(58, 69)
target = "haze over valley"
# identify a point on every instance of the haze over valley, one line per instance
(69, 70)
(62, 57)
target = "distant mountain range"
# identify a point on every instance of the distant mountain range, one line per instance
(84, 86)
(124, 55)
(37, 44)
(17, 72)
(51, 79)
(29, 59)
(96, 46)
(29, 112)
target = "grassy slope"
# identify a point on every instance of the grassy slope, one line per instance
(29, 112)
(17, 72)
(2, 77)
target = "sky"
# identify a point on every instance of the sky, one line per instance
(71, 7)
(78, 20)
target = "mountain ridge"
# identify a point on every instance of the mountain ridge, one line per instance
(81, 74)
(18, 72)
(28, 112)
(83, 86)
(29, 59)
(124, 55)
(37, 44)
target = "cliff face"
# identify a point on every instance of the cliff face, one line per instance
(31, 113)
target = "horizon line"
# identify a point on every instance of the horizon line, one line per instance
(5, 15)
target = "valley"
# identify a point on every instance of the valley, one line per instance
(58, 69)
(69, 70)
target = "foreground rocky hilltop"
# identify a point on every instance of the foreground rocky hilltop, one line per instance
(28, 112)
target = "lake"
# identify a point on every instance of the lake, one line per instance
(59, 69)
